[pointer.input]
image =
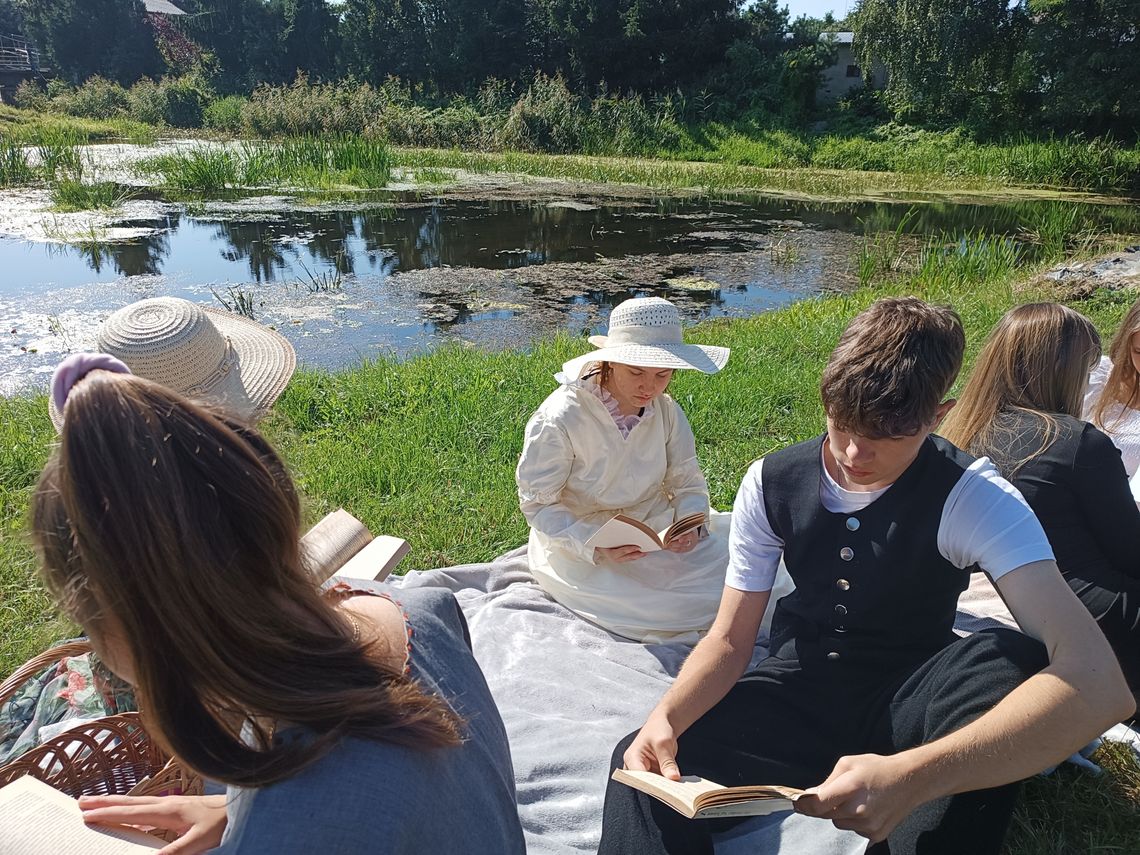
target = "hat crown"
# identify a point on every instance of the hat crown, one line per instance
(168, 340)
(644, 320)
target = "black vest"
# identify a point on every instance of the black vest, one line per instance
(871, 587)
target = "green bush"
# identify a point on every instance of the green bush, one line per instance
(29, 95)
(547, 117)
(302, 108)
(225, 114)
(97, 98)
(625, 125)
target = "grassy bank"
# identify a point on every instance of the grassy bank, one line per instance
(426, 448)
(546, 117)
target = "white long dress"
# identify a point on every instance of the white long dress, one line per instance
(1121, 423)
(576, 471)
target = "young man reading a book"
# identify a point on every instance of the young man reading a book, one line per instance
(907, 735)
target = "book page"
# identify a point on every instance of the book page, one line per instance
(683, 525)
(38, 820)
(700, 798)
(625, 531)
(333, 541)
(376, 560)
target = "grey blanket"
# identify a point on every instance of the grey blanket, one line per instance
(568, 691)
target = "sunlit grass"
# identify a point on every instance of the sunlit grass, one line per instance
(301, 163)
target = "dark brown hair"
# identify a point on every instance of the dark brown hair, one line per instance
(1037, 360)
(893, 365)
(178, 529)
(1123, 383)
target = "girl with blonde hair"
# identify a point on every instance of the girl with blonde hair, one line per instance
(1113, 399)
(1021, 408)
(170, 531)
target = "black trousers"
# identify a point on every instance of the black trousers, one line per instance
(788, 724)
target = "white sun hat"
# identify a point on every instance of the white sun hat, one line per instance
(646, 331)
(201, 352)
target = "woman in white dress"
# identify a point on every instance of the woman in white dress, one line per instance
(1113, 399)
(609, 440)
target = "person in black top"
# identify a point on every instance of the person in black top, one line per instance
(1020, 408)
(905, 734)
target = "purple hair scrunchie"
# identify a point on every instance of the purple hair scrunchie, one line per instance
(75, 368)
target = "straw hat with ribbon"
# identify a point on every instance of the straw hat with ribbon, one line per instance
(646, 332)
(201, 352)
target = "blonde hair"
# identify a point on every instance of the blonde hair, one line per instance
(1036, 360)
(1123, 383)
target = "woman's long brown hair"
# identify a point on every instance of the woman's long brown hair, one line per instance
(1036, 360)
(1123, 383)
(179, 529)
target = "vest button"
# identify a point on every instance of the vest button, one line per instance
(847, 553)
(852, 524)
(841, 609)
(843, 584)
(833, 656)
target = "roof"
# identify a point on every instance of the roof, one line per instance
(162, 7)
(837, 38)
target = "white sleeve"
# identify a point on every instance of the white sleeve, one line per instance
(544, 466)
(1097, 380)
(683, 477)
(754, 550)
(985, 521)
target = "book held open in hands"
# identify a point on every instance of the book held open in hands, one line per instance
(698, 798)
(627, 531)
(342, 544)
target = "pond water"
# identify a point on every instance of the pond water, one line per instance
(399, 273)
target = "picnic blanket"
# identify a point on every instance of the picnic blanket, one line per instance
(568, 691)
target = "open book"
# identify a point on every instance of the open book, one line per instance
(39, 820)
(626, 531)
(342, 544)
(698, 798)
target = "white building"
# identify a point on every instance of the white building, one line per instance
(845, 73)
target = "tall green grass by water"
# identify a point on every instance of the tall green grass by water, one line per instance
(306, 162)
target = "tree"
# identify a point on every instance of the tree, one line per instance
(640, 45)
(384, 37)
(241, 36)
(947, 60)
(308, 39)
(1085, 55)
(82, 38)
(11, 20)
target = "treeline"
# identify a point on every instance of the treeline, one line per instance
(994, 67)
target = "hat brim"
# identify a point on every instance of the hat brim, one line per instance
(705, 358)
(264, 362)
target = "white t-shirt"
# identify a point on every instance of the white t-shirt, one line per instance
(985, 521)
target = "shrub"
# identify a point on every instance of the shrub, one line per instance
(29, 95)
(97, 98)
(304, 109)
(225, 114)
(547, 117)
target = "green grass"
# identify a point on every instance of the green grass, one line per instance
(28, 127)
(426, 448)
(70, 194)
(310, 163)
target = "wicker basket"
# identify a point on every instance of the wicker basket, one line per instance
(109, 756)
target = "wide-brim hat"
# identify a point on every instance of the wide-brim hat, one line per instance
(203, 353)
(646, 331)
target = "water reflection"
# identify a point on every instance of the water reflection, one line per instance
(503, 235)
